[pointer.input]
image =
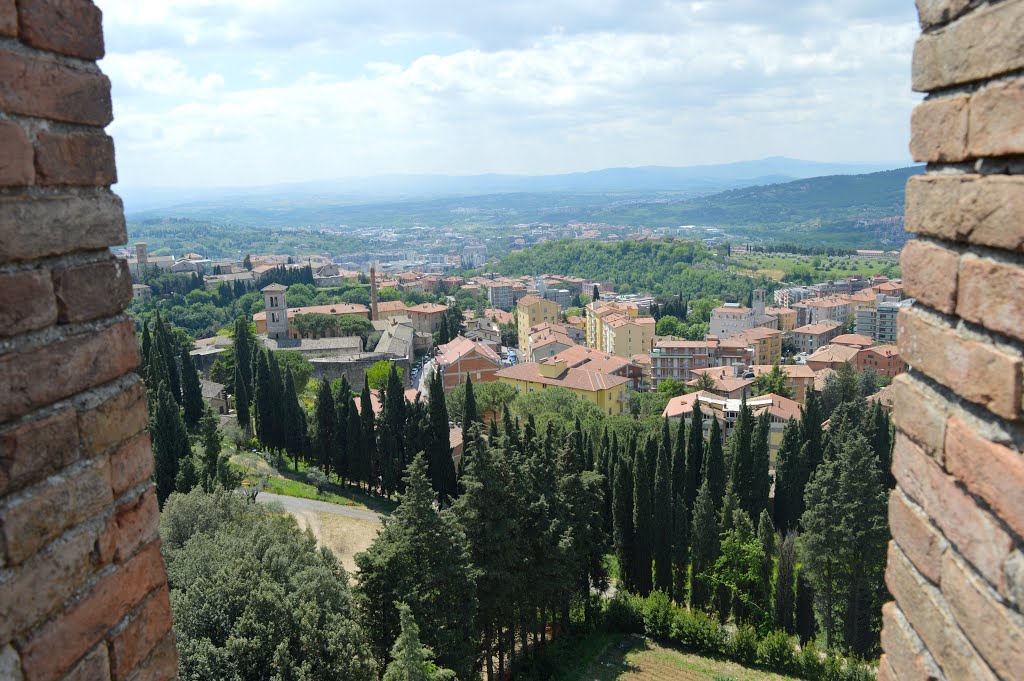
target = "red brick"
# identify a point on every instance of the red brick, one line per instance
(929, 616)
(131, 464)
(54, 647)
(71, 27)
(114, 420)
(162, 664)
(991, 471)
(983, 211)
(980, 45)
(36, 227)
(934, 12)
(36, 589)
(978, 371)
(918, 539)
(42, 376)
(28, 303)
(930, 274)
(51, 90)
(32, 450)
(133, 524)
(997, 120)
(919, 413)
(905, 652)
(8, 19)
(95, 666)
(144, 631)
(992, 294)
(967, 527)
(78, 158)
(938, 129)
(996, 631)
(92, 291)
(15, 156)
(37, 515)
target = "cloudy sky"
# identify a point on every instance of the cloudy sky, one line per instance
(251, 92)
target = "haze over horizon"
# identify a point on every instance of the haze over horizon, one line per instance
(241, 93)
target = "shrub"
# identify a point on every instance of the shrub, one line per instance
(698, 630)
(658, 615)
(776, 652)
(812, 662)
(624, 613)
(316, 478)
(743, 647)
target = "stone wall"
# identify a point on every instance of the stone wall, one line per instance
(83, 590)
(333, 368)
(956, 567)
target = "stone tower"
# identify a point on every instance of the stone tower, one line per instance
(374, 314)
(141, 258)
(277, 310)
(758, 301)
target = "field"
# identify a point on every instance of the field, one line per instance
(344, 536)
(633, 658)
(812, 268)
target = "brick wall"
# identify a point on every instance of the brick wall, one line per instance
(956, 566)
(83, 590)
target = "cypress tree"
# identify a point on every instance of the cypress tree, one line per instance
(192, 391)
(680, 515)
(212, 441)
(785, 595)
(325, 427)
(694, 457)
(243, 348)
(392, 451)
(703, 546)
(714, 463)
(162, 338)
(804, 607)
(170, 442)
(411, 661)
(358, 464)
(469, 412)
(881, 442)
(766, 534)
(263, 403)
(294, 420)
(662, 515)
(277, 417)
(147, 344)
(643, 514)
(241, 401)
(740, 455)
(369, 437)
(622, 519)
(787, 477)
(760, 479)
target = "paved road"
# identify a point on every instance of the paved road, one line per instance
(297, 505)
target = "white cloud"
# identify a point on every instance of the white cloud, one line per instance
(538, 86)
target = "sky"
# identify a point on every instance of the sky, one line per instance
(259, 92)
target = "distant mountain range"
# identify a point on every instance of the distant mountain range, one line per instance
(687, 180)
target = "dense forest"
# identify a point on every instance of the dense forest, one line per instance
(686, 268)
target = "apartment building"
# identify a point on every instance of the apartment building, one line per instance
(758, 345)
(817, 310)
(618, 328)
(464, 358)
(785, 318)
(676, 359)
(499, 293)
(532, 311)
(878, 321)
(426, 317)
(607, 391)
(810, 337)
(884, 359)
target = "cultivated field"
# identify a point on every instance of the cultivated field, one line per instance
(633, 658)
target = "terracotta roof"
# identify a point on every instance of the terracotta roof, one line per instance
(825, 302)
(641, 358)
(791, 370)
(582, 357)
(820, 327)
(885, 396)
(820, 376)
(578, 379)
(428, 308)
(684, 344)
(834, 354)
(737, 308)
(391, 306)
(725, 378)
(853, 340)
(273, 288)
(527, 301)
(883, 350)
(449, 353)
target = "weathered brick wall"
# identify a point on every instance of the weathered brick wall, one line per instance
(83, 590)
(956, 566)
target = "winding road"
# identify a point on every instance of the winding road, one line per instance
(299, 506)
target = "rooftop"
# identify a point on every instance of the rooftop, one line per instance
(576, 379)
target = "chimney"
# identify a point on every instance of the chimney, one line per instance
(373, 294)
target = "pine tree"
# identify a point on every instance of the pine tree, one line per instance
(325, 441)
(662, 515)
(411, 661)
(241, 402)
(643, 514)
(192, 391)
(714, 463)
(787, 477)
(703, 546)
(785, 596)
(622, 519)
(421, 557)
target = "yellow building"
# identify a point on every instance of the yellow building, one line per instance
(754, 346)
(608, 392)
(786, 317)
(618, 328)
(531, 311)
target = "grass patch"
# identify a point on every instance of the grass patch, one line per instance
(634, 658)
